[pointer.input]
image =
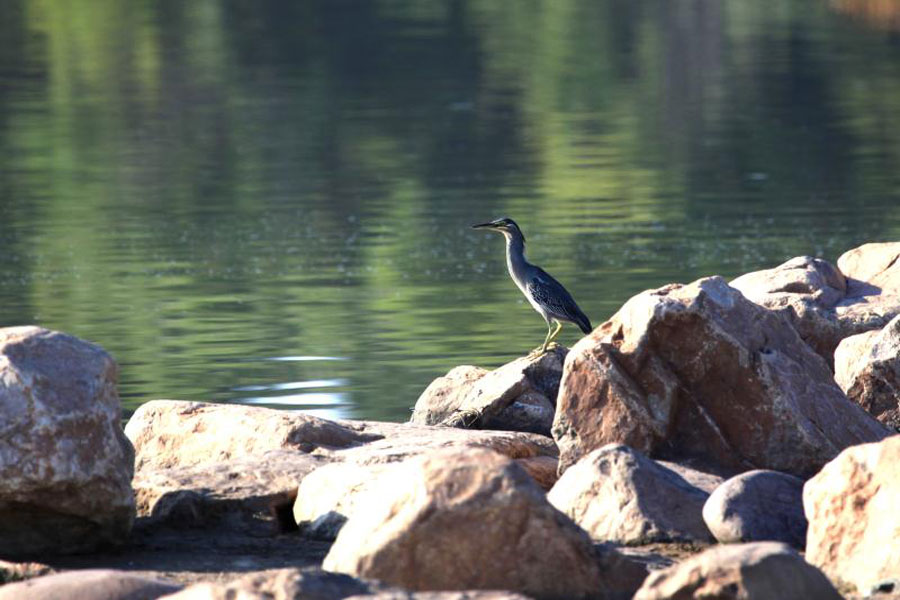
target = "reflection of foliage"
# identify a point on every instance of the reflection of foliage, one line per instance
(229, 180)
(883, 14)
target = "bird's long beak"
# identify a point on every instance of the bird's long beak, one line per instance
(484, 226)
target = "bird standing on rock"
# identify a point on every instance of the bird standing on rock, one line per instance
(545, 293)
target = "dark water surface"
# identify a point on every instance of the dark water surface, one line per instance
(268, 202)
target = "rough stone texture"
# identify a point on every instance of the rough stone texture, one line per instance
(469, 595)
(330, 495)
(282, 584)
(804, 290)
(252, 494)
(399, 441)
(699, 372)
(172, 433)
(472, 519)
(97, 584)
(17, 571)
(826, 303)
(854, 524)
(757, 571)
(519, 396)
(618, 495)
(867, 368)
(758, 506)
(65, 466)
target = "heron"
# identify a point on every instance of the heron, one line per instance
(545, 294)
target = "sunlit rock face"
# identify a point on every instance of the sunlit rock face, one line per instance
(518, 396)
(854, 525)
(473, 519)
(698, 372)
(755, 571)
(867, 368)
(618, 495)
(65, 464)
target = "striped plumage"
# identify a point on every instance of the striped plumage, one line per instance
(544, 293)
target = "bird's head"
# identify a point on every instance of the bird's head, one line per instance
(504, 225)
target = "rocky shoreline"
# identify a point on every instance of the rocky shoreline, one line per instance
(716, 439)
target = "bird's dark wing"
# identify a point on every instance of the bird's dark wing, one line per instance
(556, 300)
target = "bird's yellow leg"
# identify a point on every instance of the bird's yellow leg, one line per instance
(551, 335)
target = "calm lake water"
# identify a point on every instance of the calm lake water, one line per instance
(269, 202)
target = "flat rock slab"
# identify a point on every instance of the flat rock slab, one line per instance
(92, 584)
(283, 584)
(473, 519)
(65, 466)
(757, 571)
(758, 506)
(698, 372)
(867, 368)
(518, 396)
(173, 433)
(252, 494)
(854, 524)
(619, 495)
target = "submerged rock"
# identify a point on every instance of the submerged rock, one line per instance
(473, 519)
(699, 372)
(519, 396)
(618, 495)
(65, 465)
(867, 367)
(854, 524)
(758, 506)
(757, 571)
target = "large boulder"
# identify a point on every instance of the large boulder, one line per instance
(65, 465)
(854, 524)
(698, 372)
(617, 494)
(473, 519)
(867, 368)
(756, 571)
(91, 584)
(826, 304)
(519, 396)
(758, 506)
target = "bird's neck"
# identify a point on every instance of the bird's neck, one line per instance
(515, 257)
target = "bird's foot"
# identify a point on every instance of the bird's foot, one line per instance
(542, 350)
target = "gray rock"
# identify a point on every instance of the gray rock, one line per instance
(94, 584)
(283, 584)
(758, 506)
(519, 396)
(618, 495)
(65, 465)
(757, 571)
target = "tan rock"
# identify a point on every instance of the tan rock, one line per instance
(872, 272)
(877, 264)
(93, 584)
(854, 524)
(804, 290)
(282, 584)
(757, 571)
(867, 368)
(699, 372)
(65, 466)
(519, 396)
(171, 433)
(617, 494)
(251, 494)
(395, 442)
(467, 595)
(472, 519)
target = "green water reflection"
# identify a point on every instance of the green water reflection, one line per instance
(269, 202)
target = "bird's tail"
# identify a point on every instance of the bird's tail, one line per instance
(584, 323)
